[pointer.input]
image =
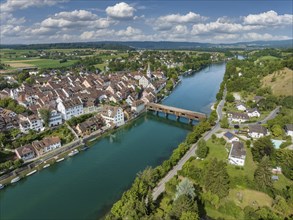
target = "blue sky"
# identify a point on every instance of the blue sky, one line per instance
(48, 21)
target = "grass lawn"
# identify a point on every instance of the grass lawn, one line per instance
(282, 182)
(215, 214)
(281, 82)
(216, 151)
(247, 197)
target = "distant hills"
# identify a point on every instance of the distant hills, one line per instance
(163, 45)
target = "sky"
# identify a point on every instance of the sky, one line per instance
(54, 21)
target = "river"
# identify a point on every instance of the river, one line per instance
(87, 185)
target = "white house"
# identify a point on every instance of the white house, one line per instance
(238, 117)
(241, 107)
(289, 129)
(55, 118)
(138, 106)
(237, 154)
(113, 115)
(253, 113)
(144, 82)
(70, 108)
(26, 152)
(257, 131)
(46, 145)
(32, 122)
(229, 137)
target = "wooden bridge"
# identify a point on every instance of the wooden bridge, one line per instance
(178, 112)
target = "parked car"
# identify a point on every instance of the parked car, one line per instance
(236, 126)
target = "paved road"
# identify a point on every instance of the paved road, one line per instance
(271, 116)
(160, 188)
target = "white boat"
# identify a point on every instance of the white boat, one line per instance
(31, 173)
(14, 180)
(47, 165)
(59, 160)
(72, 153)
(1, 186)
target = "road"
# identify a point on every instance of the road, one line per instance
(271, 116)
(160, 188)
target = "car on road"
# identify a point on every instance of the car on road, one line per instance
(236, 126)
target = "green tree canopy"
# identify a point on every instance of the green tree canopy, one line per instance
(262, 147)
(217, 178)
(263, 174)
(202, 149)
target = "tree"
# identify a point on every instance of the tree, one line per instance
(281, 205)
(2, 139)
(185, 187)
(217, 178)
(230, 97)
(45, 115)
(224, 123)
(202, 149)
(263, 174)
(277, 130)
(262, 147)
(188, 215)
(182, 204)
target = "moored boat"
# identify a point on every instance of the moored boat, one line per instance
(59, 160)
(47, 165)
(72, 153)
(84, 147)
(1, 186)
(16, 179)
(31, 173)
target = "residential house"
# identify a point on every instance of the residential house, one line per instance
(113, 115)
(25, 152)
(241, 107)
(253, 113)
(138, 106)
(229, 137)
(144, 82)
(90, 125)
(55, 118)
(237, 154)
(238, 117)
(257, 131)
(289, 129)
(70, 108)
(32, 122)
(46, 145)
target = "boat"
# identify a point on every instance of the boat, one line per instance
(59, 160)
(72, 153)
(84, 147)
(31, 173)
(14, 180)
(47, 165)
(1, 186)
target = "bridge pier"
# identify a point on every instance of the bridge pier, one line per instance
(177, 117)
(166, 115)
(189, 121)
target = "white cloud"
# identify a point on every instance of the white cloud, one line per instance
(120, 11)
(129, 32)
(75, 19)
(220, 26)
(167, 22)
(12, 5)
(269, 18)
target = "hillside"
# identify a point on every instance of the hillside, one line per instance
(281, 82)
